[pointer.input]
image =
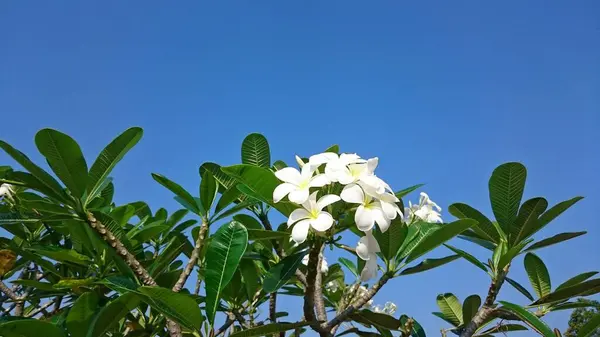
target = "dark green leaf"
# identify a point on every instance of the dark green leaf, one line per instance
(587, 287)
(65, 158)
(520, 288)
(391, 241)
(529, 318)
(255, 151)
(279, 164)
(468, 257)
(590, 327)
(225, 182)
(538, 275)
(484, 228)
(35, 284)
(251, 278)
(280, 273)
(226, 248)
(506, 190)
(261, 234)
(470, 236)
(177, 306)
(503, 328)
(527, 219)
(350, 265)
(510, 254)
(554, 240)
(408, 190)
(376, 319)
(81, 314)
(29, 328)
(576, 279)
(551, 214)
(470, 307)
(429, 264)
(227, 198)
(417, 330)
(110, 315)
(450, 308)
(62, 255)
(439, 237)
(109, 157)
(572, 305)
(180, 192)
(268, 329)
(248, 221)
(208, 190)
(417, 232)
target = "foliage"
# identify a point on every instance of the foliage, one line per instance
(582, 316)
(76, 263)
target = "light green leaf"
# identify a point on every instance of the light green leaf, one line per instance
(450, 308)
(110, 315)
(226, 248)
(520, 288)
(109, 157)
(251, 278)
(576, 280)
(65, 158)
(588, 288)
(226, 182)
(484, 228)
(527, 219)
(280, 273)
(268, 329)
(261, 234)
(470, 307)
(554, 240)
(61, 255)
(510, 254)
(468, 257)
(255, 151)
(417, 330)
(228, 196)
(209, 188)
(29, 328)
(81, 314)
(538, 275)
(429, 264)
(506, 190)
(417, 232)
(590, 327)
(179, 307)
(180, 192)
(439, 237)
(529, 318)
(350, 265)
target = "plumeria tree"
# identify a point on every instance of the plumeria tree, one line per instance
(77, 264)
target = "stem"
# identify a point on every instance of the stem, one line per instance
(309, 295)
(193, 258)
(319, 302)
(197, 289)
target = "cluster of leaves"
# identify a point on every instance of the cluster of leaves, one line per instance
(82, 266)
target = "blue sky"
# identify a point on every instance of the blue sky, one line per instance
(442, 92)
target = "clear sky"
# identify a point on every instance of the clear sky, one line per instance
(441, 91)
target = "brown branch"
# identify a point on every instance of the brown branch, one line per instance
(358, 303)
(309, 294)
(488, 309)
(9, 292)
(42, 308)
(193, 258)
(319, 301)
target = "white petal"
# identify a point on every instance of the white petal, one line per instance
(297, 215)
(305, 260)
(322, 158)
(372, 164)
(353, 194)
(299, 196)
(282, 190)
(319, 180)
(289, 175)
(390, 210)
(299, 161)
(370, 269)
(372, 243)
(324, 266)
(362, 248)
(323, 222)
(382, 221)
(350, 158)
(307, 172)
(327, 200)
(363, 218)
(300, 231)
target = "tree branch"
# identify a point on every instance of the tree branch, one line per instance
(193, 258)
(319, 301)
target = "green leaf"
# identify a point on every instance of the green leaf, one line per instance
(179, 307)
(109, 157)
(226, 182)
(520, 288)
(39, 179)
(226, 248)
(279, 164)
(280, 273)
(350, 265)
(554, 240)
(65, 158)
(484, 228)
(178, 244)
(261, 182)
(510, 254)
(391, 241)
(590, 327)
(538, 275)
(587, 287)
(227, 198)
(576, 280)
(29, 328)
(248, 221)
(61, 255)
(551, 214)
(255, 151)
(120, 284)
(408, 190)
(417, 232)
(35, 284)
(429, 264)
(527, 219)
(439, 237)
(468, 257)
(572, 305)
(261, 234)
(268, 329)
(503, 328)
(529, 318)
(470, 236)
(376, 319)
(110, 315)
(180, 192)
(81, 314)
(149, 231)
(209, 188)
(470, 307)
(417, 330)
(450, 308)
(506, 190)
(251, 278)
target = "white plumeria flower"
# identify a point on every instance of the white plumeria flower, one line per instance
(340, 168)
(6, 190)
(369, 211)
(311, 215)
(367, 249)
(370, 269)
(387, 201)
(425, 210)
(389, 308)
(296, 184)
(332, 286)
(324, 265)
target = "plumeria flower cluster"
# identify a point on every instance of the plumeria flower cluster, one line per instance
(389, 308)
(425, 210)
(374, 199)
(6, 190)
